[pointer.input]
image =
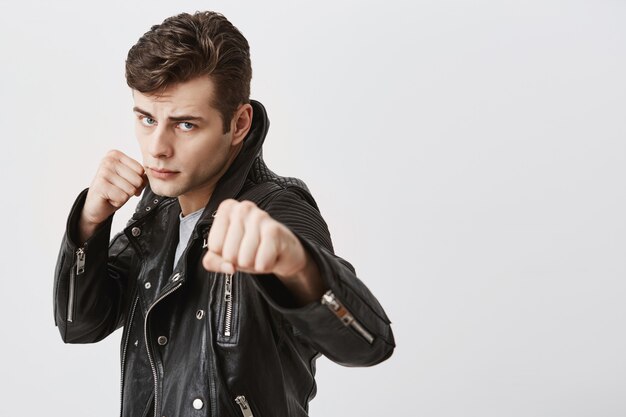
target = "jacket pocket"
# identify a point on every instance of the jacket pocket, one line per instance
(228, 314)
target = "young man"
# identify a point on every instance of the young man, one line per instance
(224, 279)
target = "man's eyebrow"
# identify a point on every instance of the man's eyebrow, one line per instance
(145, 113)
(181, 118)
(185, 118)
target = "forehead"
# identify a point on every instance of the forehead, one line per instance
(194, 95)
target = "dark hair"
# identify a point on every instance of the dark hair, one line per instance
(186, 46)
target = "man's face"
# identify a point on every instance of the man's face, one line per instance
(180, 132)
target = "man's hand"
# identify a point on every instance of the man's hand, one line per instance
(246, 238)
(118, 178)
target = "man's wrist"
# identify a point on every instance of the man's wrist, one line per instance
(86, 229)
(307, 284)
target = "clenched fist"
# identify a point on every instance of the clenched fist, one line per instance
(244, 237)
(117, 179)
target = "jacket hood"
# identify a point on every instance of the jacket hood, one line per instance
(233, 179)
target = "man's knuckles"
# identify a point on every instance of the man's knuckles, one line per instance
(225, 207)
(114, 154)
(235, 209)
(270, 229)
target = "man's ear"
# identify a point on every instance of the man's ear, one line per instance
(241, 123)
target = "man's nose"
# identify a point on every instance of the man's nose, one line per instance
(160, 145)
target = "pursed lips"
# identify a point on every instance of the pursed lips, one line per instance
(163, 171)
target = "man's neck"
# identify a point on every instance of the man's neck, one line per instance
(197, 199)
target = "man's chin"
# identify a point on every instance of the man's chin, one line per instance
(162, 190)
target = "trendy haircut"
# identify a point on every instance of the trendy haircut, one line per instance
(186, 46)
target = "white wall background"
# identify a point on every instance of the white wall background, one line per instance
(469, 157)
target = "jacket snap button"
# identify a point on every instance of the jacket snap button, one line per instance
(147, 285)
(214, 213)
(156, 200)
(199, 314)
(148, 208)
(162, 340)
(135, 231)
(197, 403)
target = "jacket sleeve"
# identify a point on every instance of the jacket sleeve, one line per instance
(91, 281)
(348, 325)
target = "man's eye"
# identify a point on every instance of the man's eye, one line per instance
(147, 121)
(186, 126)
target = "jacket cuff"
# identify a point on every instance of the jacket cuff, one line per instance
(67, 257)
(317, 320)
(73, 220)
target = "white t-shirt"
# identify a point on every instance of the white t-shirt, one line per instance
(187, 225)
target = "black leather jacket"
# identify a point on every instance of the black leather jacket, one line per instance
(199, 343)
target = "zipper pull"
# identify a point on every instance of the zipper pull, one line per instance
(228, 288)
(330, 300)
(80, 260)
(244, 406)
(205, 242)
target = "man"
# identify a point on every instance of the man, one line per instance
(224, 279)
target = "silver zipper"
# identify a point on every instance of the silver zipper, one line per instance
(129, 323)
(329, 300)
(244, 406)
(145, 335)
(70, 300)
(80, 268)
(228, 304)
